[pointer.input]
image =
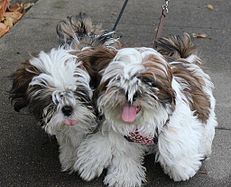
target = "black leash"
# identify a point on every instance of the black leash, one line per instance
(109, 34)
(164, 12)
(120, 15)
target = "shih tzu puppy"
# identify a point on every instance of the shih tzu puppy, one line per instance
(150, 100)
(57, 87)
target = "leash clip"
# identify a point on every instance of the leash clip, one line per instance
(165, 6)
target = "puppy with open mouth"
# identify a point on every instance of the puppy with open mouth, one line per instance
(57, 86)
(149, 100)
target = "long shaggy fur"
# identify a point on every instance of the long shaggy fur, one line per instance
(176, 46)
(78, 32)
(57, 86)
(21, 79)
(142, 96)
(90, 43)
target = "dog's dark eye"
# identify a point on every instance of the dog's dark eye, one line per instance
(148, 81)
(118, 78)
(135, 96)
(82, 94)
(55, 99)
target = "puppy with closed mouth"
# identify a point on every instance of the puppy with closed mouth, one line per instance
(150, 100)
(57, 87)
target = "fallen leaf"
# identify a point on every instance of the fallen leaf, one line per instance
(3, 6)
(114, 13)
(9, 21)
(27, 5)
(210, 7)
(14, 15)
(1, 18)
(2, 26)
(203, 172)
(3, 29)
(9, 15)
(200, 35)
(18, 7)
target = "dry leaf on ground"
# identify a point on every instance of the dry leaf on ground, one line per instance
(11, 18)
(200, 35)
(27, 5)
(10, 14)
(3, 6)
(9, 21)
(210, 7)
(16, 7)
(14, 15)
(3, 29)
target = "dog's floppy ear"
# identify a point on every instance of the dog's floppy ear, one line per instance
(95, 61)
(21, 80)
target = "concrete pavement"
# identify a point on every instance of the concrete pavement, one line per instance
(30, 158)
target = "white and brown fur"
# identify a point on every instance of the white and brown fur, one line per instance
(57, 86)
(175, 103)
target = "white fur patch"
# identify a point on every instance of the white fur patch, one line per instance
(59, 69)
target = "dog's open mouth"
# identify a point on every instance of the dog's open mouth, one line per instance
(129, 113)
(70, 122)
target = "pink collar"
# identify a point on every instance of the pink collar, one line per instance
(136, 137)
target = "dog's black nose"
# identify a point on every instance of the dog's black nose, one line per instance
(67, 110)
(135, 96)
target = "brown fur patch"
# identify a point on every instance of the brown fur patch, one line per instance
(175, 47)
(79, 26)
(95, 60)
(21, 79)
(198, 99)
(79, 32)
(178, 48)
(159, 71)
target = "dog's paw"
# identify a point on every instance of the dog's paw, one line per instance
(92, 157)
(183, 171)
(67, 165)
(66, 158)
(88, 171)
(125, 176)
(89, 167)
(118, 180)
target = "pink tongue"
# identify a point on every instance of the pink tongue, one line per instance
(128, 113)
(70, 122)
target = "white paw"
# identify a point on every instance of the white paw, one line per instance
(66, 159)
(182, 171)
(91, 160)
(125, 176)
(67, 164)
(118, 180)
(88, 171)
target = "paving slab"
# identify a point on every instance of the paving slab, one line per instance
(101, 11)
(28, 37)
(30, 158)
